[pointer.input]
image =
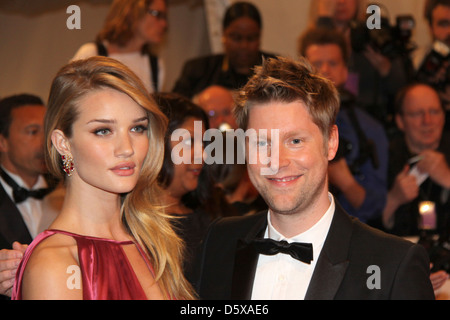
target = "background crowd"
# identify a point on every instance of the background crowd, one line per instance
(394, 150)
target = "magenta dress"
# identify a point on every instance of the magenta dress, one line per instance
(106, 273)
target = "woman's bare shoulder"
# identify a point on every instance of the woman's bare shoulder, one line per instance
(50, 271)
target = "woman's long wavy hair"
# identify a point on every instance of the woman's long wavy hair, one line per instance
(142, 213)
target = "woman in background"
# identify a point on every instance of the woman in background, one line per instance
(131, 30)
(183, 164)
(242, 27)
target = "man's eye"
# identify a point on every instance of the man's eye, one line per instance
(262, 143)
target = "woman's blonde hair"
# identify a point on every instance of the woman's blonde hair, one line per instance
(121, 21)
(142, 213)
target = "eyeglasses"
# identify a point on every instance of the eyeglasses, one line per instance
(422, 113)
(160, 15)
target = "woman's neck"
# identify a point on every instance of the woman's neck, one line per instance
(91, 213)
(175, 205)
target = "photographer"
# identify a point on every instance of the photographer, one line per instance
(419, 171)
(435, 68)
(375, 75)
(421, 119)
(357, 176)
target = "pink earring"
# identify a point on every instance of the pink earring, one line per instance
(67, 164)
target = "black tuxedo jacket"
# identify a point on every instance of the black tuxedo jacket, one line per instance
(227, 264)
(12, 226)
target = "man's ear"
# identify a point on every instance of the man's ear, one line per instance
(333, 142)
(60, 142)
(399, 122)
(4, 146)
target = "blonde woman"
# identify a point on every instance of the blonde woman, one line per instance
(131, 30)
(112, 240)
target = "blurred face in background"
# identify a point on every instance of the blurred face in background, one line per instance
(329, 62)
(23, 149)
(241, 41)
(186, 174)
(345, 10)
(440, 25)
(153, 25)
(422, 119)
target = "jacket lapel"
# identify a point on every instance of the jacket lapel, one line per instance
(332, 263)
(245, 262)
(12, 226)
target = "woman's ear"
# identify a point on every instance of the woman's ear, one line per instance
(60, 142)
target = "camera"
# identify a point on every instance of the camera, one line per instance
(433, 62)
(390, 41)
(438, 251)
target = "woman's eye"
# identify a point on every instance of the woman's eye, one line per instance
(102, 132)
(139, 129)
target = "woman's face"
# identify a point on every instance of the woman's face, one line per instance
(241, 41)
(345, 10)
(109, 142)
(153, 26)
(190, 151)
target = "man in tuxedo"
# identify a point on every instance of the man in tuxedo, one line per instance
(335, 256)
(26, 205)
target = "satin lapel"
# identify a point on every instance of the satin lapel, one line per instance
(332, 263)
(246, 259)
(12, 226)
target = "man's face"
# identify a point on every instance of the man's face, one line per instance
(328, 61)
(299, 166)
(23, 149)
(440, 24)
(422, 119)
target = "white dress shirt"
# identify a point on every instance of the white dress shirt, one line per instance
(281, 277)
(36, 214)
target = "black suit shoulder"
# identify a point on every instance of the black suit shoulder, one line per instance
(403, 265)
(12, 225)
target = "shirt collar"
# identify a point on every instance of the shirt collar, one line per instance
(40, 183)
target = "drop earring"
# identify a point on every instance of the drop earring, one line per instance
(67, 164)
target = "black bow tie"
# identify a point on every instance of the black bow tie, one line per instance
(21, 194)
(300, 251)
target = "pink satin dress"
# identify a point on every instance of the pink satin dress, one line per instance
(106, 272)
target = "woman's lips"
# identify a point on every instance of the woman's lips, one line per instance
(124, 169)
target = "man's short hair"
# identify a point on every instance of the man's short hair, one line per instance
(9, 103)
(287, 80)
(429, 7)
(403, 92)
(322, 36)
